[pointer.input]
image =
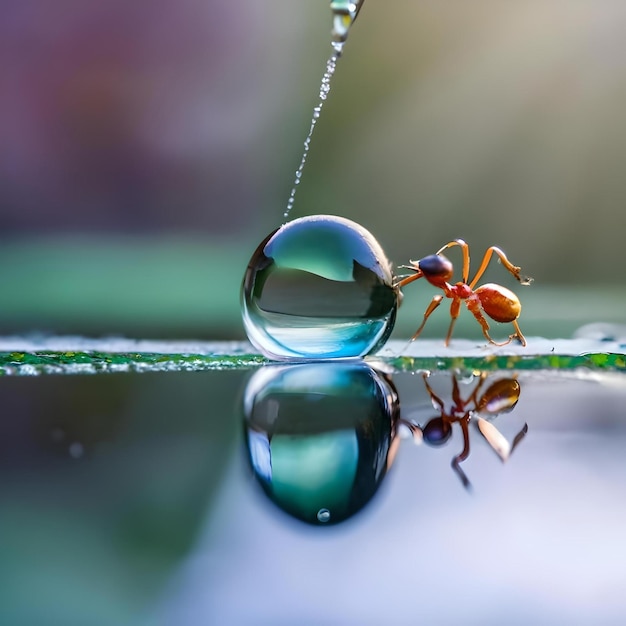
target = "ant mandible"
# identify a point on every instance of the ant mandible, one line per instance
(498, 302)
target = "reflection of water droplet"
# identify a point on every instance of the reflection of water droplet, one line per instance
(260, 454)
(330, 448)
(76, 450)
(319, 287)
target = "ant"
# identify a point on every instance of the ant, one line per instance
(498, 302)
(500, 397)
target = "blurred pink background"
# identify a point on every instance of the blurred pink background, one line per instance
(144, 126)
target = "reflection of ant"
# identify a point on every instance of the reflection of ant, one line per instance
(500, 397)
(499, 303)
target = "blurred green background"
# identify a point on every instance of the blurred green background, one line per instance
(148, 147)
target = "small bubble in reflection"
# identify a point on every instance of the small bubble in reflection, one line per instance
(323, 515)
(76, 450)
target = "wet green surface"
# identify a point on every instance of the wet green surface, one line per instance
(94, 362)
(54, 356)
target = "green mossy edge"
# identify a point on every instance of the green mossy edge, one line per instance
(94, 362)
(599, 361)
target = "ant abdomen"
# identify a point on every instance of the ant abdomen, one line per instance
(500, 397)
(498, 302)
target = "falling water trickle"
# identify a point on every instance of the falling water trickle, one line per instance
(344, 14)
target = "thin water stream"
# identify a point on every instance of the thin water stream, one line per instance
(344, 15)
(331, 65)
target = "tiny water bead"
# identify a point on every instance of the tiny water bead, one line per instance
(319, 287)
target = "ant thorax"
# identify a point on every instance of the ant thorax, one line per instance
(462, 290)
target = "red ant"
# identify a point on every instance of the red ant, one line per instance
(500, 397)
(498, 302)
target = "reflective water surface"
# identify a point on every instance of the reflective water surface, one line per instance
(220, 497)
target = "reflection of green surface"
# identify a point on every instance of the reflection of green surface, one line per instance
(92, 357)
(106, 483)
(596, 361)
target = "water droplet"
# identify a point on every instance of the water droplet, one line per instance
(319, 287)
(338, 47)
(344, 14)
(323, 515)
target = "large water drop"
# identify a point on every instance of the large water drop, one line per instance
(319, 287)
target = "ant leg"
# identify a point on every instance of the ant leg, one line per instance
(466, 258)
(474, 397)
(409, 279)
(518, 333)
(434, 398)
(455, 308)
(459, 458)
(456, 394)
(513, 269)
(497, 441)
(480, 318)
(414, 429)
(520, 435)
(416, 433)
(435, 302)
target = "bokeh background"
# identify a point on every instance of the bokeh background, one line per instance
(147, 147)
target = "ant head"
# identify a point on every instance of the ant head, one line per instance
(437, 431)
(436, 267)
